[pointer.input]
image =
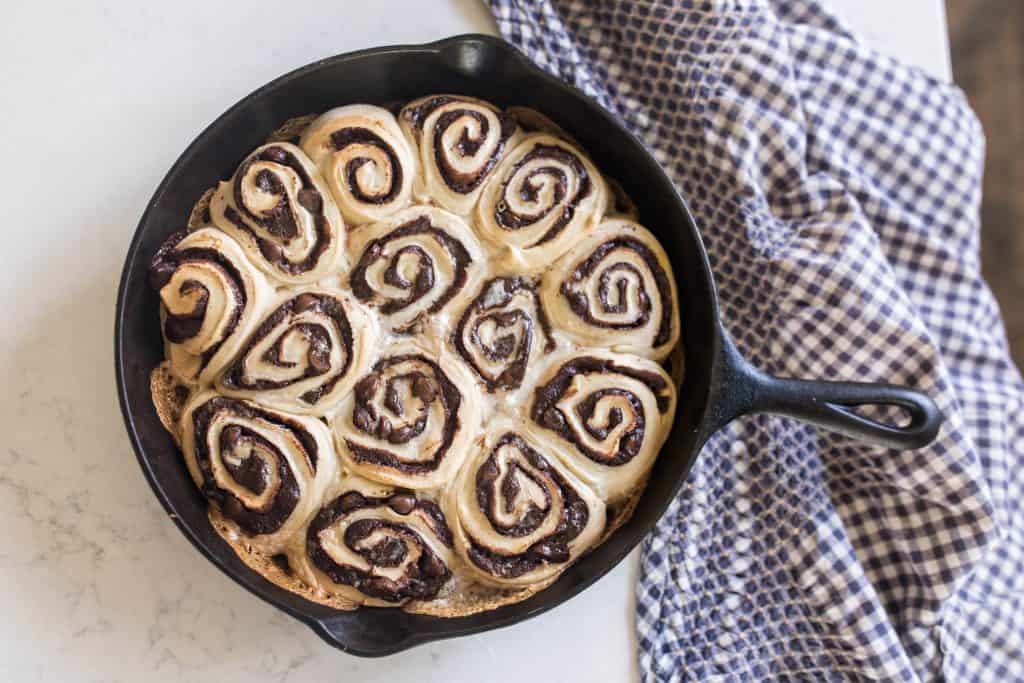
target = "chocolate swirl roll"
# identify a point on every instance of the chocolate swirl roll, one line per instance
(365, 158)
(277, 207)
(264, 471)
(211, 297)
(615, 289)
(611, 411)
(504, 331)
(520, 516)
(305, 355)
(377, 546)
(407, 421)
(460, 140)
(542, 197)
(415, 267)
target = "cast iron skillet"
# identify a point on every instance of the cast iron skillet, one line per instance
(719, 387)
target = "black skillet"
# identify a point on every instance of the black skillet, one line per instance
(719, 387)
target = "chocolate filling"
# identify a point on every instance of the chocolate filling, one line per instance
(580, 303)
(490, 306)
(529, 191)
(418, 114)
(280, 221)
(546, 413)
(318, 338)
(553, 548)
(363, 136)
(181, 327)
(467, 146)
(252, 472)
(424, 280)
(428, 386)
(420, 580)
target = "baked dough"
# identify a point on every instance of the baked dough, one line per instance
(417, 360)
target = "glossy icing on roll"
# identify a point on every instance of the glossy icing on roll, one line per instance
(543, 196)
(306, 353)
(615, 289)
(460, 141)
(503, 331)
(414, 362)
(211, 297)
(277, 207)
(520, 515)
(416, 267)
(377, 546)
(407, 421)
(265, 471)
(612, 411)
(365, 158)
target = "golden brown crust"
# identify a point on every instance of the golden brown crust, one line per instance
(290, 130)
(169, 396)
(200, 214)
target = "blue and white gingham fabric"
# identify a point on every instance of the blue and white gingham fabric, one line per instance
(837, 192)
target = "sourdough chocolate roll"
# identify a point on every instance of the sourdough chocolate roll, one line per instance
(376, 546)
(615, 289)
(503, 331)
(211, 297)
(519, 514)
(279, 210)
(416, 269)
(365, 159)
(305, 354)
(460, 141)
(544, 196)
(408, 421)
(415, 362)
(611, 411)
(265, 471)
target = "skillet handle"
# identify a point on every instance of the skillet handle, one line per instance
(743, 389)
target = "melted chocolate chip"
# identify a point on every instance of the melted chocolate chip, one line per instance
(305, 302)
(402, 503)
(310, 199)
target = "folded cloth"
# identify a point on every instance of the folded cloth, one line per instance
(837, 192)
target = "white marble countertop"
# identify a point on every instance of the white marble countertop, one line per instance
(98, 98)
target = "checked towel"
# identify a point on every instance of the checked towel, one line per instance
(837, 192)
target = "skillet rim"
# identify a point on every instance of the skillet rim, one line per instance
(320, 617)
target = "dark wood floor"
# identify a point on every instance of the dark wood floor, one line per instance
(987, 40)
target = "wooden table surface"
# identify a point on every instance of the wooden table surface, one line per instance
(987, 39)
